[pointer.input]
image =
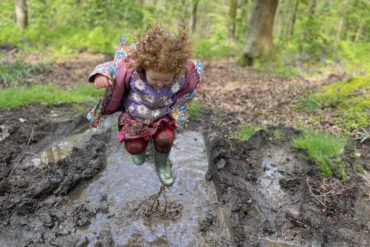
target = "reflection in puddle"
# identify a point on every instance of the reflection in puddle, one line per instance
(269, 185)
(4, 132)
(61, 150)
(264, 242)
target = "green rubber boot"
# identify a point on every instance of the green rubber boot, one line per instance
(138, 159)
(163, 169)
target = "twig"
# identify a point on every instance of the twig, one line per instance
(309, 187)
(155, 197)
(22, 154)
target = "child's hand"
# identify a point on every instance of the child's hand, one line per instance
(102, 81)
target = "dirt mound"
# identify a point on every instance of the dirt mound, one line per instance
(271, 194)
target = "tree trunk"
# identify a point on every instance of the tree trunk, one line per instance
(21, 13)
(259, 36)
(340, 23)
(194, 15)
(311, 7)
(231, 20)
(294, 18)
(358, 33)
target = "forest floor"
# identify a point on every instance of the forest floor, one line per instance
(312, 211)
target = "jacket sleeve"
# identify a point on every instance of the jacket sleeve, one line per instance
(180, 110)
(109, 69)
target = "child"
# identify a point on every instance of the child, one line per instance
(152, 82)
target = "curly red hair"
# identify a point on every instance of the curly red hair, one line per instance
(161, 51)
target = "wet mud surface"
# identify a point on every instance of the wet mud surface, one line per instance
(62, 184)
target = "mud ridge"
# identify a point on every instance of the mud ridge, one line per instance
(32, 198)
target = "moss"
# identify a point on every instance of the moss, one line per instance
(349, 98)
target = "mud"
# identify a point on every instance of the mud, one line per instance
(31, 197)
(62, 184)
(267, 191)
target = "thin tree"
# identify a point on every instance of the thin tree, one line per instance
(259, 35)
(194, 15)
(294, 18)
(21, 13)
(340, 22)
(233, 6)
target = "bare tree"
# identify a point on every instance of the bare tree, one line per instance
(233, 6)
(194, 15)
(340, 23)
(21, 13)
(294, 18)
(260, 29)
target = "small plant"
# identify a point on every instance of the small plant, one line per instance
(309, 104)
(245, 133)
(363, 136)
(278, 135)
(359, 169)
(342, 173)
(323, 147)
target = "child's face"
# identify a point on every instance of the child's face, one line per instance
(159, 79)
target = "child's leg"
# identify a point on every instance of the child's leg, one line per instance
(136, 147)
(163, 139)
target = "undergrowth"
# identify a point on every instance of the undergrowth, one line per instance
(13, 73)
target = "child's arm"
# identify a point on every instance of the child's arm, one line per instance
(109, 69)
(180, 110)
(103, 76)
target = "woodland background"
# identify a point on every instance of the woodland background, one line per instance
(302, 31)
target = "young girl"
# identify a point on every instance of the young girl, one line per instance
(152, 82)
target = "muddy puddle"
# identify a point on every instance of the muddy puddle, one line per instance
(120, 195)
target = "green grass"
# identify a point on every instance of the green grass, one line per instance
(49, 95)
(16, 72)
(324, 148)
(245, 133)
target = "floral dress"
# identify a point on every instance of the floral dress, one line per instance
(146, 108)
